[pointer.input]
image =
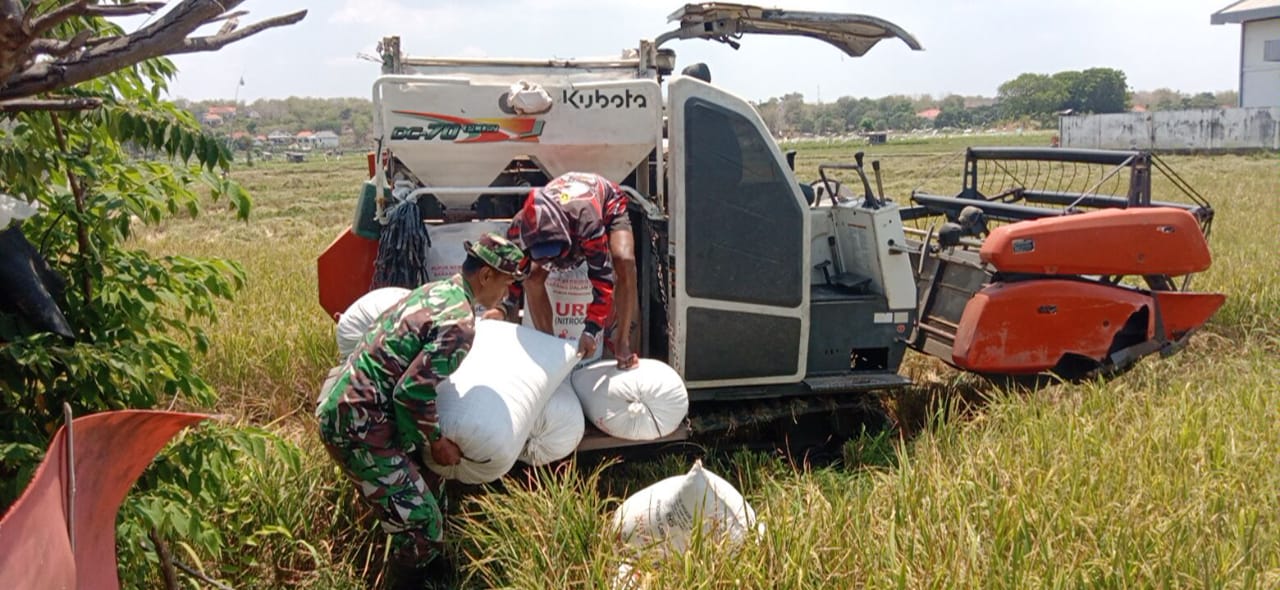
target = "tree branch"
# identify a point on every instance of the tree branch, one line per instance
(130, 9)
(216, 42)
(57, 16)
(50, 104)
(165, 558)
(167, 35)
(58, 47)
(82, 232)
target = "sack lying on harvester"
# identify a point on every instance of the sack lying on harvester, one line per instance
(644, 403)
(557, 431)
(488, 406)
(358, 319)
(448, 245)
(666, 513)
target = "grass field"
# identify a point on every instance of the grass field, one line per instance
(1165, 477)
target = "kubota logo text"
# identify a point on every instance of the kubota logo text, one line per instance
(458, 130)
(600, 99)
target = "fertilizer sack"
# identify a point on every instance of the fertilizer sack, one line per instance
(570, 294)
(665, 513)
(358, 319)
(488, 406)
(445, 257)
(644, 403)
(558, 429)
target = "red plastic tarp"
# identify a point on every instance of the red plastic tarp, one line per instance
(110, 451)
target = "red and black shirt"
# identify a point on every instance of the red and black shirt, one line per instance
(567, 222)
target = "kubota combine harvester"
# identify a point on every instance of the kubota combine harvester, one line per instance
(749, 285)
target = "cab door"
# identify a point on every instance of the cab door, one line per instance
(739, 236)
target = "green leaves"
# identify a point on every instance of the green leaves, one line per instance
(140, 325)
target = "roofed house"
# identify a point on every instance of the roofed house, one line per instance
(1259, 49)
(929, 114)
(325, 139)
(280, 138)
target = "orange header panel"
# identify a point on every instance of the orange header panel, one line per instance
(1026, 328)
(1182, 312)
(1150, 240)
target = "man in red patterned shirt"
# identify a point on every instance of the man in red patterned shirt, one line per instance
(581, 217)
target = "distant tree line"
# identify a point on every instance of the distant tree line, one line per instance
(1028, 100)
(1165, 99)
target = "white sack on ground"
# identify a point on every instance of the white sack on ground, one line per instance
(356, 321)
(489, 404)
(666, 512)
(558, 429)
(644, 403)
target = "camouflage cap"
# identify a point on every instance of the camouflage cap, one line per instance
(500, 254)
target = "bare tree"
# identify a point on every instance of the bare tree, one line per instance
(34, 62)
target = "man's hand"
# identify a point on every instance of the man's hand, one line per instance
(626, 358)
(586, 345)
(493, 313)
(445, 452)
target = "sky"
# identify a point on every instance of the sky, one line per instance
(970, 46)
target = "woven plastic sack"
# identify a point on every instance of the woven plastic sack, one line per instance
(557, 431)
(489, 405)
(357, 320)
(666, 513)
(644, 403)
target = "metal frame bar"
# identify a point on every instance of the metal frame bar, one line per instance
(71, 475)
(1004, 211)
(1083, 156)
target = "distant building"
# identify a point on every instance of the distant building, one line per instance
(1259, 49)
(280, 138)
(211, 119)
(325, 140)
(224, 111)
(929, 114)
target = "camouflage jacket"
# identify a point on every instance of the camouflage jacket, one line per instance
(412, 347)
(575, 209)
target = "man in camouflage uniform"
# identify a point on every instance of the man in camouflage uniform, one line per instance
(580, 217)
(381, 410)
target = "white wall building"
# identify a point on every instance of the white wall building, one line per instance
(325, 140)
(1259, 49)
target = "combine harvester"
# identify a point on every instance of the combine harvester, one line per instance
(770, 302)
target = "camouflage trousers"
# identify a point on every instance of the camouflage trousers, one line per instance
(390, 480)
